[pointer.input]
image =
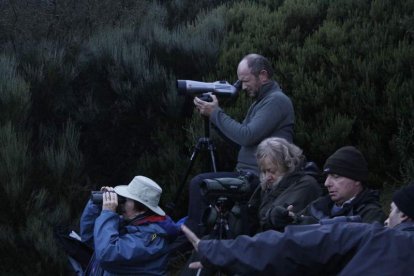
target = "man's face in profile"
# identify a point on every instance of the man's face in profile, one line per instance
(250, 83)
(395, 217)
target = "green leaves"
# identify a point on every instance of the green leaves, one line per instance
(347, 66)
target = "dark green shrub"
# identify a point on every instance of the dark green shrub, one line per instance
(90, 99)
(29, 206)
(346, 66)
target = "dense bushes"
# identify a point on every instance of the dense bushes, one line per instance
(36, 186)
(88, 96)
(348, 67)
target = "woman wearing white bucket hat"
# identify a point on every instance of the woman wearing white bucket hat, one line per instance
(128, 238)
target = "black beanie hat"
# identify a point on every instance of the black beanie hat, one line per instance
(404, 199)
(348, 162)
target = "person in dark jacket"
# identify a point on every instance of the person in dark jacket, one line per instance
(402, 209)
(283, 181)
(347, 172)
(270, 115)
(132, 241)
(327, 249)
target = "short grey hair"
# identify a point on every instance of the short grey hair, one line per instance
(287, 156)
(257, 63)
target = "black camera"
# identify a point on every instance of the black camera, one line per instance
(233, 188)
(219, 88)
(97, 197)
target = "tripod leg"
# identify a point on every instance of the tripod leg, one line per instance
(171, 206)
(213, 159)
(203, 143)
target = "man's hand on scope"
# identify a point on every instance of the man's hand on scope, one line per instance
(206, 108)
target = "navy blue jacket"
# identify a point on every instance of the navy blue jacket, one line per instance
(332, 249)
(124, 248)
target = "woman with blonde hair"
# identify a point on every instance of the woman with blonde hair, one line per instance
(283, 182)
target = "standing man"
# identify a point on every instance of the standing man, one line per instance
(330, 249)
(270, 115)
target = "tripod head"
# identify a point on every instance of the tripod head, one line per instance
(215, 218)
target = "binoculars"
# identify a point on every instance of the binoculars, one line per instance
(97, 197)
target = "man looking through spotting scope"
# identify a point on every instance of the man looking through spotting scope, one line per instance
(270, 115)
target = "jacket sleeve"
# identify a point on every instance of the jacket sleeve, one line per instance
(300, 249)
(310, 215)
(87, 222)
(306, 191)
(371, 213)
(266, 117)
(299, 194)
(111, 247)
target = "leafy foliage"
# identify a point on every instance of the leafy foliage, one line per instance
(345, 64)
(88, 97)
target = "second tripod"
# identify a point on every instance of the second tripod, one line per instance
(204, 144)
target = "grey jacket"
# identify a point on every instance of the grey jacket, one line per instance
(271, 115)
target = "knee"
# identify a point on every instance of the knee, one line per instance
(196, 182)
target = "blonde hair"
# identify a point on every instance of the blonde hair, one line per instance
(286, 156)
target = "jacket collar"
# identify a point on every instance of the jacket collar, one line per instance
(364, 197)
(266, 88)
(405, 226)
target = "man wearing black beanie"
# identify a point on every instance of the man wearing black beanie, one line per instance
(325, 249)
(402, 209)
(348, 199)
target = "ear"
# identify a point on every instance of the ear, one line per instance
(263, 76)
(404, 217)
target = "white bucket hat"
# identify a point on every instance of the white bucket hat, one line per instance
(143, 190)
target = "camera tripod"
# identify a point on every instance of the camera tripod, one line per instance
(217, 215)
(203, 144)
(221, 229)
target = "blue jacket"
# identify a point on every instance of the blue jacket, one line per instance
(332, 249)
(122, 248)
